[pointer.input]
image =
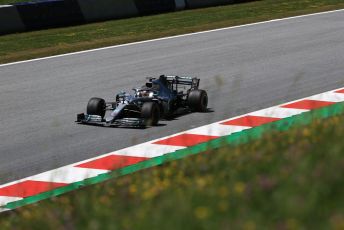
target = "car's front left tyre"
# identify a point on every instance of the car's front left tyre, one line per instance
(151, 113)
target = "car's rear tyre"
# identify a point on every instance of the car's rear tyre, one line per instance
(96, 106)
(151, 113)
(198, 100)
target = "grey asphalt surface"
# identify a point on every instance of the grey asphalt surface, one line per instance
(243, 69)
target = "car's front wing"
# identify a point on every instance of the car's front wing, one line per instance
(98, 120)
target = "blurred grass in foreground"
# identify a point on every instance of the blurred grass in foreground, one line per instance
(285, 180)
(22, 46)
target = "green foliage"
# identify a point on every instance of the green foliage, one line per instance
(35, 44)
(285, 180)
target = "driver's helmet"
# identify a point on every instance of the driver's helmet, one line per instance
(144, 93)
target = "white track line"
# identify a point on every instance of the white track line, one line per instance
(171, 37)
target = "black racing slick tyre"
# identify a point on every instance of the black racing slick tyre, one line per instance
(198, 100)
(96, 106)
(151, 113)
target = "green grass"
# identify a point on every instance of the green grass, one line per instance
(284, 180)
(28, 45)
(5, 2)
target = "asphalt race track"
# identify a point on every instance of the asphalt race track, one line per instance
(243, 69)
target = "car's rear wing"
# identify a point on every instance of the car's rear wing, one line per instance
(183, 80)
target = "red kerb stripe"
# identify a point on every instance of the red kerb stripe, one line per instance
(250, 121)
(340, 91)
(112, 162)
(185, 140)
(307, 104)
(29, 188)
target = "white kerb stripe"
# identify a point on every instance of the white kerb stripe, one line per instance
(147, 150)
(277, 112)
(217, 129)
(330, 96)
(67, 174)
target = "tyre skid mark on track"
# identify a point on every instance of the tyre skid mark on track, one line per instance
(77, 172)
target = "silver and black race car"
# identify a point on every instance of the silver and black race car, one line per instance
(158, 98)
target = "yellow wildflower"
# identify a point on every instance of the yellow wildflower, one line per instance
(132, 189)
(239, 187)
(201, 212)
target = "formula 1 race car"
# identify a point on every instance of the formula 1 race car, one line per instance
(159, 97)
